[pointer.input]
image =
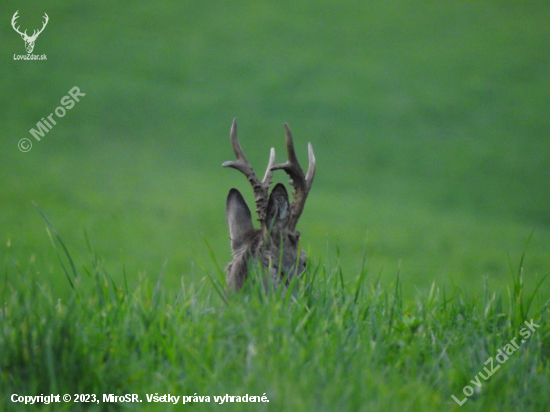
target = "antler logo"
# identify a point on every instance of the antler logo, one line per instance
(29, 40)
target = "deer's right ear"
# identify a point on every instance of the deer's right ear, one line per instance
(239, 219)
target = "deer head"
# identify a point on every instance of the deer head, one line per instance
(275, 244)
(29, 40)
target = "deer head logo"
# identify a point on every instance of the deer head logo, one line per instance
(275, 245)
(29, 40)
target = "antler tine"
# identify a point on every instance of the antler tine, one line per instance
(311, 166)
(302, 183)
(13, 22)
(260, 188)
(43, 25)
(269, 172)
(241, 164)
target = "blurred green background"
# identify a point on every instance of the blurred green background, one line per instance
(429, 121)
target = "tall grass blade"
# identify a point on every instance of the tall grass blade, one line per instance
(65, 250)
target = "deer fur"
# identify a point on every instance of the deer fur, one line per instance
(274, 246)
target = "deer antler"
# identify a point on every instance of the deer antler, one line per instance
(301, 183)
(15, 17)
(260, 188)
(36, 33)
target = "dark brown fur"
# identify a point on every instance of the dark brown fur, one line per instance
(277, 216)
(263, 246)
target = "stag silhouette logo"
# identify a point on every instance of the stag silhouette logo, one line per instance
(29, 40)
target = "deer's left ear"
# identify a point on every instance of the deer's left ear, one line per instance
(278, 208)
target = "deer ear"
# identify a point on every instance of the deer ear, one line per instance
(239, 219)
(278, 207)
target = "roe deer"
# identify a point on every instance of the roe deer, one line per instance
(278, 219)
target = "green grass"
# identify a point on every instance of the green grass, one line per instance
(429, 122)
(328, 346)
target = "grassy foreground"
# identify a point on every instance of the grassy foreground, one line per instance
(327, 346)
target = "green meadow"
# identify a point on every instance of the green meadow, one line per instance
(427, 227)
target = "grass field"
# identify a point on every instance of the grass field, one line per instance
(330, 347)
(429, 121)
